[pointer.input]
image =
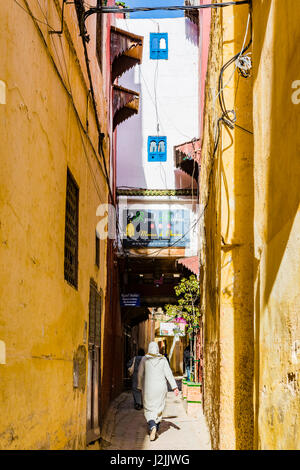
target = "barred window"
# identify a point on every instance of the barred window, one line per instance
(94, 315)
(71, 231)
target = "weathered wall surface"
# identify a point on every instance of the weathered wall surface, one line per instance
(236, 212)
(44, 319)
(227, 261)
(250, 236)
(276, 114)
(210, 232)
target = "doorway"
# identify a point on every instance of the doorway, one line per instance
(94, 364)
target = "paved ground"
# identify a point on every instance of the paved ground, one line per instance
(125, 428)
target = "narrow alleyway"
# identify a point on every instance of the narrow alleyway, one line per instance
(125, 428)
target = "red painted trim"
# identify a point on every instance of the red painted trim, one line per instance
(204, 35)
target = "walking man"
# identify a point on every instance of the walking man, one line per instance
(153, 374)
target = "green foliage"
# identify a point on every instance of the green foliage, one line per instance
(187, 307)
(121, 4)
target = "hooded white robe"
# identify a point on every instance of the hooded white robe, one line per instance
(153, 373)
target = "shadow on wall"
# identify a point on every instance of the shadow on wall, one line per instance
(283, 195)
(284, 168)
(276, 33)
(277, 145)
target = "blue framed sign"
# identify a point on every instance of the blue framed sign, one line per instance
(159, 46)
(130, 300)
(157, 149)
(156, 228)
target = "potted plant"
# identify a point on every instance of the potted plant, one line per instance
(187, 309)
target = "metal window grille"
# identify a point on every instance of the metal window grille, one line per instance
(71, 231)
(94, 315)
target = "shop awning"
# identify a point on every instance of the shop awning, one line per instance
(193, 15)
(190, 150)
(126, 50)
(187, 157)
(191, 263)
(125, 104)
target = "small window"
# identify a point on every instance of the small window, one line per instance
(153, 146)
(71, 231)
(97, 256)
(161, 146)
(157, 149)
(162, 44)
(158, 45)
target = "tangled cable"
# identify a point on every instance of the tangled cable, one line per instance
(244, 65)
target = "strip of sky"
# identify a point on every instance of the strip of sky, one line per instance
(154, 3)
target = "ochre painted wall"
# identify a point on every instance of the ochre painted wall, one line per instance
(209, 235)
(276, 58)
(236, 271)
(226, 184)
(42, 316)
(249, 235)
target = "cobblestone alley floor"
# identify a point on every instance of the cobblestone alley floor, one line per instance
(126, 428)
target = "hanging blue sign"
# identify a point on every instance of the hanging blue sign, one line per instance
(130, 300)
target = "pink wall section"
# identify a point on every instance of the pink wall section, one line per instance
(204, 33)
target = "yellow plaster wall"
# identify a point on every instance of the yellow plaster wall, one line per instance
(209, 234)
(236, 294)
(42, 320)
(227, 244)
(250, 276)
(276, 59)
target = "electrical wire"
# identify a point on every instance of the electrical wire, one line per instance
(100, 146)
(226, 114)
(155, 102)
(167, 118)
(239, 55)
(174, 8)
(157, 252)
(225, 119)
(158, 121)
(70, 90)
(32, 16)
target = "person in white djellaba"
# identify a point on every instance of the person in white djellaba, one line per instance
(153, 374)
